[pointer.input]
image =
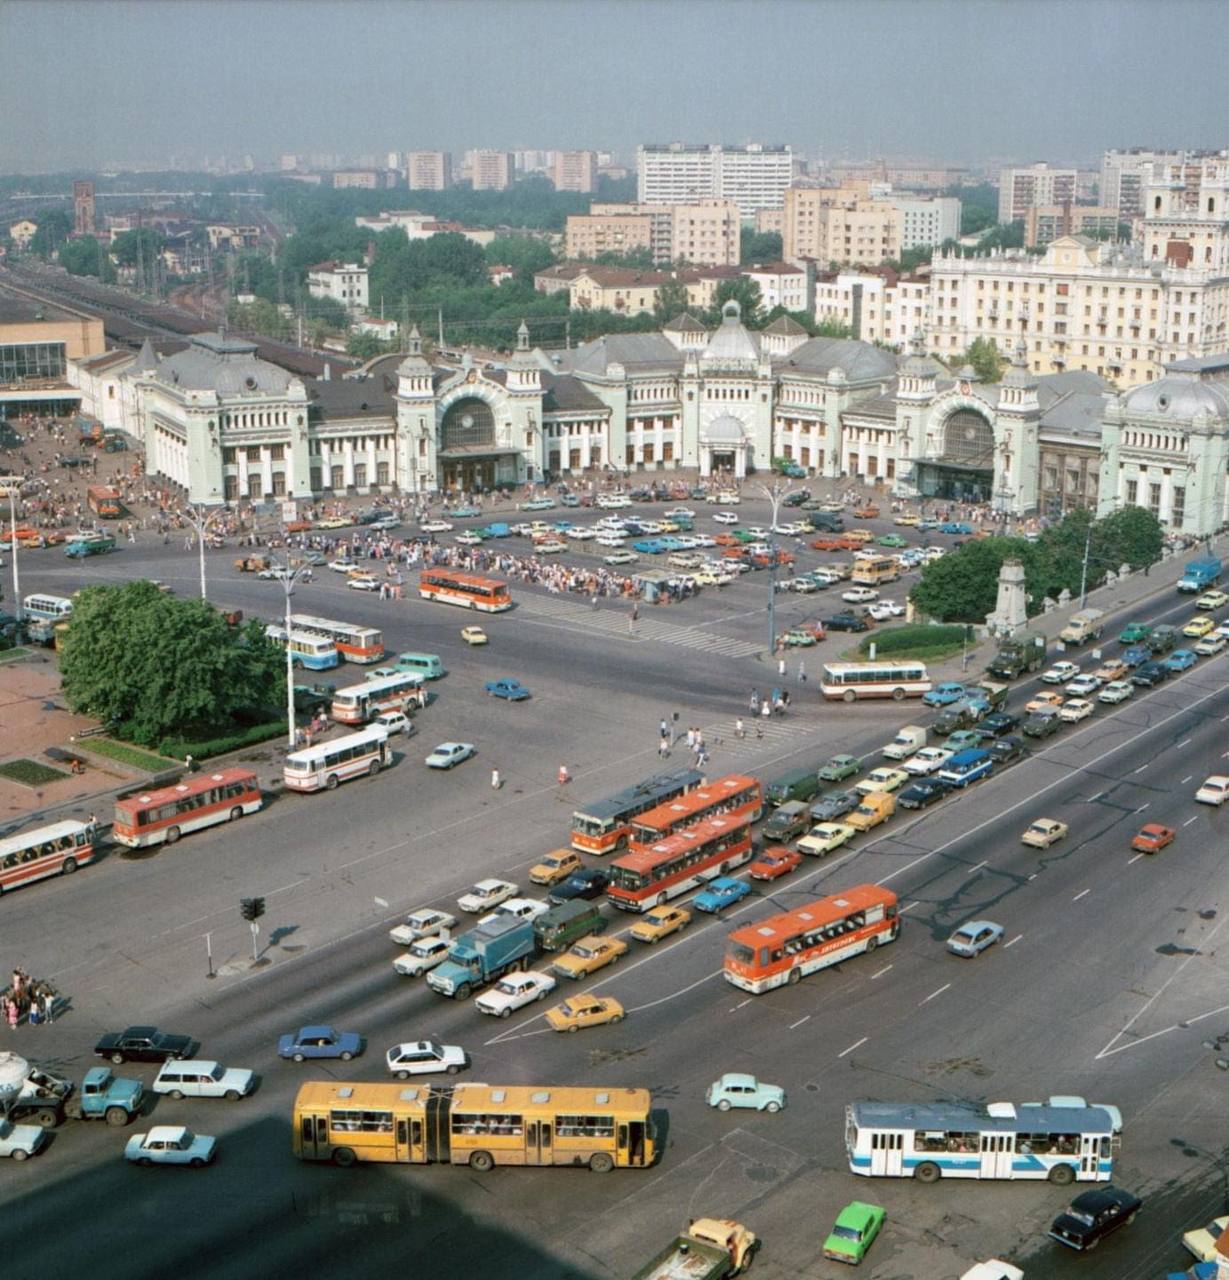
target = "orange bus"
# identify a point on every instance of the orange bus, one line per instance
(735, 794)
(447, 586)
(155, 817)
(606, 825)
(55, 850)
(784, 948)
(874, 571)
(647, 877)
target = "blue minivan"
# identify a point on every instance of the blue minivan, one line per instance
(428, 665)
(966, 766)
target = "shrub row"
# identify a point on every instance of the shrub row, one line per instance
(914, 635)
(207, 747)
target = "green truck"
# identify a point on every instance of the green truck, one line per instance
(1018, 655)
(710, 1249)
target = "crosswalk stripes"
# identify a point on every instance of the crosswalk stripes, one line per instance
(646, 628)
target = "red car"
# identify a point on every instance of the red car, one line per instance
(1152, 837)
(775, 862)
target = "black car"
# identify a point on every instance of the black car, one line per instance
(1151, 673)
(1004, 750)
(845, 622)
(1092, 1216)
(830, 807)
(70, 461)
(797, 498)
(143, 1044)
(641, 495)
(589, 883)
(921, 793)
(1041, 724)
(997, 723)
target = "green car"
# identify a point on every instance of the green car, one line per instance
(744, 536)
(963, 740)
(892, 540)
(854, 1232)
(839, 768)
(1135, 633)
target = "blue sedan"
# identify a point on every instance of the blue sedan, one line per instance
(462, 513)
(512, 690)
(320, 1042)
(649, 546)
(1181, 660)
(723, 892)
(956, 526)
(944, 695)
(1137, 655)
(973, 938)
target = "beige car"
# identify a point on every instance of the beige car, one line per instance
(555, 867)
(883, 779)
(588, 956)
(1043, 833)
(660, 922)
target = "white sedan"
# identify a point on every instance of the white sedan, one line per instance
(513, 991)
(424, 954)
(449, 753)
(1211, 644)
(882, 610)
(363, 582)
(394, 722)
(1060, 673)
(675, 512)
(1082, 686)
(928, 760)
(1116, 691)
(859, 595)
(343, 565)
(424, 923)
(702, 540)
(487, 894)
(580, 535)
(436, 526)
(424, 1058)
(725, 517)
(518, 909)
(621, 557)
(1074, 710)
(469, 539)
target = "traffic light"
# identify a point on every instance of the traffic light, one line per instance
(252, 908)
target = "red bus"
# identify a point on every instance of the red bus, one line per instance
(154, 817)
(735, 794)
(647, 877)
(606, 824)
(785, 948)
(55, 850)
(466, 589)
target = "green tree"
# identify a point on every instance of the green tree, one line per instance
(638, 259)
(366, 345)
(745, 292)
(54, 228)
(1131, 536)
(526, 255)
(81, 257)
(832, 329)
(143, 244)
(983, 354)
(148, 664)
(963, 585)
(759, 246)
(672, 300)
(979, 206)
(911, 259)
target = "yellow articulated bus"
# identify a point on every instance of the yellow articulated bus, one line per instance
(478, 1125)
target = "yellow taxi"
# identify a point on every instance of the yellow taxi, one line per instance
(859, 535)
(588, 956)
(1199, 626)
(660, 923)
(1043, 701)
(584, 1011)
(473, 635)
(556, 866)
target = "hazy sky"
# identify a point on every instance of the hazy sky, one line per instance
(961, 80)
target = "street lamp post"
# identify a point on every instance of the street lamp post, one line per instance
(12, 488)
(775, 493)
(200, 521)
(289, 577)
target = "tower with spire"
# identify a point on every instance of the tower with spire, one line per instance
(1016, 436)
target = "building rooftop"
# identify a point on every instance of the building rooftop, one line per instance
(227, 366)
(15, 309)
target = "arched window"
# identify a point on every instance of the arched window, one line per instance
(968, 440)
(468, 424)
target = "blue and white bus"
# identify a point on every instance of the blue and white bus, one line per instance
(310, 651)
(930, 1141)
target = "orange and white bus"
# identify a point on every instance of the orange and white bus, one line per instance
(55, 850)
(326, 764)
(355, 644)
(200, 800)
(358, 703)
(447, 586)
(606, 825)
(647, 877)
(873, 571)
(784, 948)
(736, 794)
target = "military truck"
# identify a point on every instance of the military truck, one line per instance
(1018, 655)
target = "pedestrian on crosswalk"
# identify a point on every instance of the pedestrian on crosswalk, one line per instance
(740, 730)
(663, 747)
(765, 711)
(802, 673)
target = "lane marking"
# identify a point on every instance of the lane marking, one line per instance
(1093, 799)
(1145, 805)
(932, 995)
(1185, 780)
(1013, 942)
(1082, 893)
(908, 908)
(1108, 1052)
(1186, 742)
(741, 1003)
(1134, 859)
(881, 972)
(856, 1045)
(1141, 768)
(1188, 822)
(984, 863)
(799, 1023)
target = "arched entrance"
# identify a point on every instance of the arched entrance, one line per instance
(469, 454)
(964, 469)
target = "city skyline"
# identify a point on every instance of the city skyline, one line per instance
(949, 80)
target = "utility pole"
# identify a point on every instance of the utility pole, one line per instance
(441, 319)
(200, 521)
(289, 578)
(1084, 570)
(775, 493)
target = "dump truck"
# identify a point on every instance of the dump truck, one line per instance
(1083, 626)
(710, 1249)
(1018, 655)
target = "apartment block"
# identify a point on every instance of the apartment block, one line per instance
(573, 170)
(703, 233)
(364, 179)
(428, 170)
(489, 170)
(344, 282)
(781, 284)
(1125, 175)
(843, 225)
(590, 234)
(754, 176)
(1044, 223)
(925, 220)
(1038, 184)
(877, 306)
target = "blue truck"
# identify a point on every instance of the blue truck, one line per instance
(47, 1099)
(1199, 574)
(482, 955)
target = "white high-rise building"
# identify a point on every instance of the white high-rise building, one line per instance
(754, 176)
(1021, 189)
(1125, 175)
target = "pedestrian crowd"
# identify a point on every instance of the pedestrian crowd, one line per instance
(29, 1000)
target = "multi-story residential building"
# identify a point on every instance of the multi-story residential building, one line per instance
(754, 176)
(343, 282)
(704, 233)
(287, 162)
(904, 177)
(842, 225)
(365, 179)
(1126, 174)
(573, 170)
(1188, 231)
(589, 234)
(489, 170)
(879, 306)
(428, 170)
(1044, 223)
(924, 221)
(1020, 189)
(627, 291)
(781, 284)
(770, 220)
(533, 161)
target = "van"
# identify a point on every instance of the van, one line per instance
(427, 664)
(966, 766)
(790, 820)
(826, 522)
(798, 784)
(199, 1078)
(558, 928)
(1163, 638)
(872, 809)
(908, 741)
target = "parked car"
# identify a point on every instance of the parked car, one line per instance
(170, 1144)
(1082, 686)
(1181, 660)
(846, 622)
(1150, 674)
(927, 760)
(735, 1089)
(1116, 691)
(839, 768)
(720, 893)
(997, 723)
(320, 1042)
(854, 1232)
(424, 1057)
(834, 805)
(920, 794)
(1074, 710)
(972, 939)
(1004, 750)
(1060, 673)
(1094, 1215)
(394, 722)
(824, 837)
(1041, 724)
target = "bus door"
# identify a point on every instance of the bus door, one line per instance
(539, 1135)
(996, 1152)
(1090, 1156)
(314, 1135)
(411, 1140)
(887, 1154)
(631, 1143)
(438, 1146)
